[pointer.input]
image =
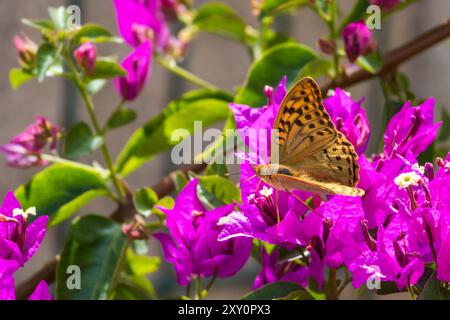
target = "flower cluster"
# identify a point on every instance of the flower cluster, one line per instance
(20, 238)
(26, 149)
(393, 232)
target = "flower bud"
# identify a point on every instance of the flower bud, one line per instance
(85, 57)
(327, 46)
(358, 40)
(26, 49)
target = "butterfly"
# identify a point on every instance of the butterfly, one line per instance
(312, 154)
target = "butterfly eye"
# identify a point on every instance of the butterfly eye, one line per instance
(285, 171)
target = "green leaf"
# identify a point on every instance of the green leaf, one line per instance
(94, 244)
(276, 7)
(372, 63)
(285, 59)
(94, 86)
(121, 118)
(144, 200)
(92, 33)
(444, 130)
(60, 190)
(134, 288)
(219, 169)
(297, 295)
(215, 191)
(434, 290)
(358, 12)
(45, 59)
(180, 180)
(107, 69)
(81, 141)
(220, 19)
(317, 68)
(166, 202)
(17, 77)
(272, 291)
(315, 291)
(141, 265)
(155, 136)
(58, 16)
(41, 25)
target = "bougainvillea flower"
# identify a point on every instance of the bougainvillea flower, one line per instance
(41, 292)
(19, 239)
(25, 149)
(358, 40)
(350, 118)
(411, 130)
(7, 269)
(140, 21)
(137, 64)
(273, 270)
(192, 246)
(85, 56)
(385, 4)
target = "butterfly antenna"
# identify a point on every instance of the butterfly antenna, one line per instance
(247, 180)
(258, 185)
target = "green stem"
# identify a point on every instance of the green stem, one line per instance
(116, 109)
(331, 23)
(98, 130)
(119, 267)
(183, 73)
(199, 288)
(211, 283)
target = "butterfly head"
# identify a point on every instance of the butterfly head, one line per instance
(266, 171)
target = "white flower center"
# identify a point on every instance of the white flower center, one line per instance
(405, 180)
(266, 192)
(418, 168)
(19, 212)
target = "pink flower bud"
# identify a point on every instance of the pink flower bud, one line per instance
(358, 40)
(327, 46)
(26, 49)
(85, 57)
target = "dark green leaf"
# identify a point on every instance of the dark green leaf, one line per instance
(145, 199)
(156, 135)
(45, 59)
(317, 68)
(92, 33)
(215, 191)
(81, 141)
(444, 130)
(218, 169)
(219, 18)
(17, 77)
(372, 63)
(297, 295)
(180, 180)
(95, 244)
(273, 291)
(434, 290)
(60, 190)
(285, 59)
(121, 118)
(358, 12)
(107, 69)
(134, 288)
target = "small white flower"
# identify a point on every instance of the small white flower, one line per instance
(405, 180)
(418, 168)
(266, 192)
(251, 198)
(331, 92)
(19, 212)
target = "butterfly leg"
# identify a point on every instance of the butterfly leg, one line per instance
(303, 202)
(278, 213)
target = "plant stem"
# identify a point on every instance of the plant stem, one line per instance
(211, 282)
(199, 288)
(119, 267)
(183, 73)
(333, 36)
(98, 130)
(332, 286)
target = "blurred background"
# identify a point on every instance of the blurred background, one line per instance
(219, 61)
